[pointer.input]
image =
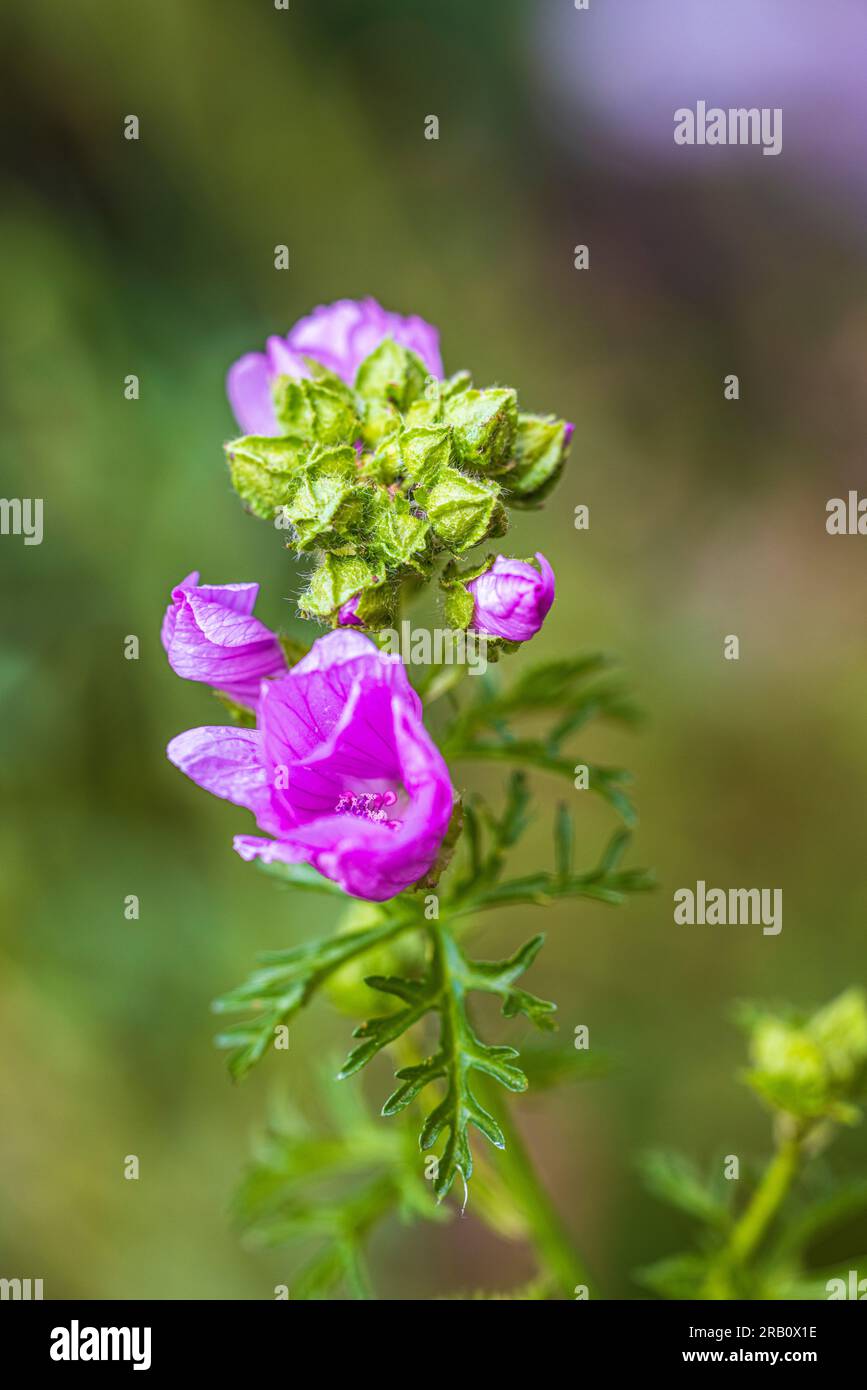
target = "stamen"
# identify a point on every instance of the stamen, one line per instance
(368, 806)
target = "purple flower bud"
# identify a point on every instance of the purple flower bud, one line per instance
(339, 336)
(512, 598)
(341, 771)
(347, 614)
(210, 635)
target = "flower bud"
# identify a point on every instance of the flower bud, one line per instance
(210, 635)
(541, 449)
(511, 599)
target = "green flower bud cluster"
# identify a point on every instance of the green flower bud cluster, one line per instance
(812, 1068)
(379, 479)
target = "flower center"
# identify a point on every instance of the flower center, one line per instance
(368, 806)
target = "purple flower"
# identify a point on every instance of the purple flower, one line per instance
(339, 336)
(341, 770)
(210, 635)
(512, 598)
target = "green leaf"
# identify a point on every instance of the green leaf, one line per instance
(385, 465)
(574, 688)
(497, 977)
(564, 834)
(301, 876)
(835, 1211)
(443, 991)
(607, 782)
(674, 1179)
(606, 883)
(287, 980)
(333, 1187)
(563, 684)
(677, 1277)
(458, 608)
(293, 650)
(840, 1030)
(239, 714)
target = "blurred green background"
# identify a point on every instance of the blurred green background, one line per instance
(260, 127)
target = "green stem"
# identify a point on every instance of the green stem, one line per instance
(767, 1198)
(752, 1226)
(554, 1246)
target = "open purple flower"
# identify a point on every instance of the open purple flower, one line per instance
(210, 635)
(341, 771)
(339, 336)
(512, 598)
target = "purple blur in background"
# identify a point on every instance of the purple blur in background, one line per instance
(629, 66)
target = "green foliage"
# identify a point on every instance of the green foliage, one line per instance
(323, 1190)
(808, 1069)
(380, 480)
(451, 977)
(287, 980)
(674, 1179)
(574, 690)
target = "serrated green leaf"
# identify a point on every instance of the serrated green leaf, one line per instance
(287, 980)
(451, 976)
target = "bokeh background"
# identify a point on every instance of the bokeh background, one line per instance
(306, 127)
